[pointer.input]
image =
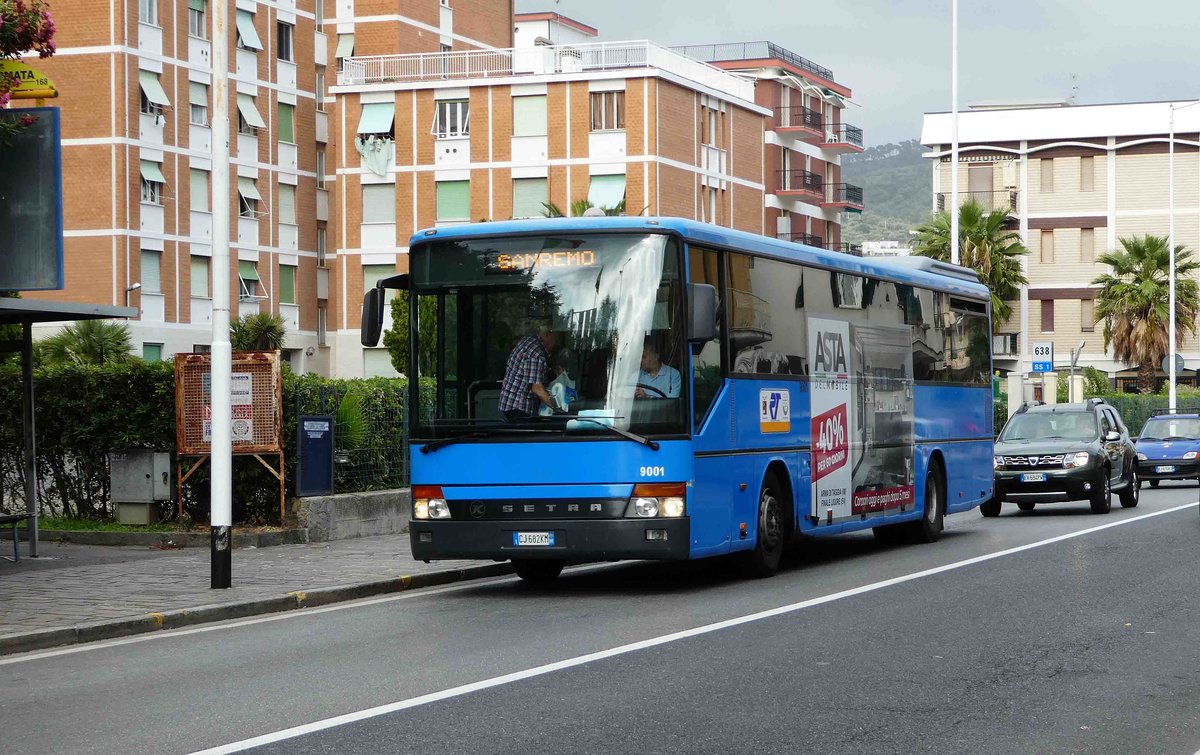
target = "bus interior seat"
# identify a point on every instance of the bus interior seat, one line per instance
(484, 400)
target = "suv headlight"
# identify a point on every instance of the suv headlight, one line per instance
(1078, 460)
(429, 502)
(997, 462)
(1141, 456)
(657, 500)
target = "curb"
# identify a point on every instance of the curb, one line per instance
(169, 539)
(43, 639)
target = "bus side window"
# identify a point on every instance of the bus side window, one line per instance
(704, 266)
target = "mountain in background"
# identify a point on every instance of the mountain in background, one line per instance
(896, 183)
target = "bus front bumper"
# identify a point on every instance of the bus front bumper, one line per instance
(578, 540)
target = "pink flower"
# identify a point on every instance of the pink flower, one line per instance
(28, 120)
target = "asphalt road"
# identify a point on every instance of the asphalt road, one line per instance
(992, 640)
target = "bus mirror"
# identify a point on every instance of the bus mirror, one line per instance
(702, 313)
(372, 316)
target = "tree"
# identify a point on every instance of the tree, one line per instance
(25, 26)
(260, 332)
(87, 342)
(987, 244)
(396, 338)
(579, 207)
(1134, 302)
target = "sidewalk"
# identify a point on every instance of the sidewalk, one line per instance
(81, 593)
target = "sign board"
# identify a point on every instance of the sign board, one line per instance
(1043, 356)
(256, 398)
(31, 222)
(314, 448)
(774, 411)
(1166, 364)
(25, 83)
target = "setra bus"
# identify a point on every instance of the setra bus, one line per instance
(708, 392)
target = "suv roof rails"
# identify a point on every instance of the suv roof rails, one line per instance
(1096, 401)
(1027, 404)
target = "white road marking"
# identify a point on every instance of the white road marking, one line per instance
(549, 668)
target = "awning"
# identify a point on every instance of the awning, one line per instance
(196, 5)
(248, 190)
(377, 118)
(153, 89)
(152, 171)
(246, 30)
(345, 47)
(249, 112)
(606, 192)
(833, 97)
(247, 271)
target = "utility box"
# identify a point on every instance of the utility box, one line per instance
(138, 479)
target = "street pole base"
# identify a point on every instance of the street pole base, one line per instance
(222, 557)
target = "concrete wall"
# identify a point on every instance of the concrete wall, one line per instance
(347, 515)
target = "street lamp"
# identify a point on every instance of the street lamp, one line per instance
(130, 290)
(1171, 243)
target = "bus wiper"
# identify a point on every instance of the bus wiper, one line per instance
(434, 445)
(594, 422)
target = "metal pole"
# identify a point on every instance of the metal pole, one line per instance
(1171, 274)
(221, 513)
(954, 251)
(31, 501)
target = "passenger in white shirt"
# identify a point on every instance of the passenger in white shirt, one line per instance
(662, 378)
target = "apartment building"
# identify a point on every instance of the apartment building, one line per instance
(135, 82)
(1077, 178)
(454, 137)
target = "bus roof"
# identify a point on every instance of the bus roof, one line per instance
(918, 271)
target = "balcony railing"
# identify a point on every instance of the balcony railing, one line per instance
(841, 133)
(811, 239)
(592, 56)
(847, 194)
(801, 180)
(753, 51)
(845, 248)
(799, 116)
(988, 200)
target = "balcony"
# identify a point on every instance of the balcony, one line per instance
(808, 239)
(842, 138)
(844, 248)
(988, 200)
(843, 197)
(801, 184)
(1005, 345)
(737, 51)
(581, 58)
(802, 122)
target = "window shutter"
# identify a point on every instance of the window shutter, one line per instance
(529, 116)
(454, 200)
(200, 268)
(528, 196)
(199, 190)
(287, 284)
(379, 203)
(287, 204)
(151, 264)
(287, 123)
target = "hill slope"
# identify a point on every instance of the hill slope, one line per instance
(896, 186)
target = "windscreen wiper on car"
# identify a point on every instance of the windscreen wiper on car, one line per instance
(595, 422)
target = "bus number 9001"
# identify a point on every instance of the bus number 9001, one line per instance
(654, 471)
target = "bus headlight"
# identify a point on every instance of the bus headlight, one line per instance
(651, 500)
(1078, 460)
(429, 502)
(645, 507)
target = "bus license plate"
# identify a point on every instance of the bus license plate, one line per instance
(545, 539)
(1034, 477)
(1164, 470)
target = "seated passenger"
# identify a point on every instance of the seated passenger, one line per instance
(654, 374)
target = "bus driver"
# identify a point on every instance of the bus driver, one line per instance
(661, 380)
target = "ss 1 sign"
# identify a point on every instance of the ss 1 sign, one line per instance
(1043, 356)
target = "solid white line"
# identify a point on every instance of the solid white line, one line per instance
(549, 668)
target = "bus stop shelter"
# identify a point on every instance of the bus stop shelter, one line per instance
(25, 313)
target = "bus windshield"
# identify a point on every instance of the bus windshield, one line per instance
(595, 319)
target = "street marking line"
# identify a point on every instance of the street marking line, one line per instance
(549, 668)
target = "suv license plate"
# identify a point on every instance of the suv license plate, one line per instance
(1034, 477)
(545, 539)
(1164, 470)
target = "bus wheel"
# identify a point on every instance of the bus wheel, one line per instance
(928, 528)
(537, 570)
(764, 560)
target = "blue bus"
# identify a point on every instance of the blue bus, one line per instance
(703, 392)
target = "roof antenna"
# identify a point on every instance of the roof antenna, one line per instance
(1074, 90)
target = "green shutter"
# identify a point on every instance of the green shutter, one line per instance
(200, 267)
(287, 123)
(247, 270)
(453, 200)
(287, 204)
(528, 196)
(199, 190)
(196, 4)
(151, 275)
(376, 118)
(287, 284)
(529, 116)
(152, 352)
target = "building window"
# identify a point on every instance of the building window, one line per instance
(529, 115)
(1047, 315)
(1087, 245)
(1087, 315)
(320, 169)
(153, 97)
(452, 119)
(198, 19)
(198, 100)
(249, 120)
(283, 46)
(710, 125)
(608, 192)
(151, 279)
(453, 201)
(153, 182)
(201, 348)
(376, 120)
(322, 326)
(1087, 173)
(248, 198)
(379, 203)
(287, 123)
(148, 12)
(345, 46)
(1047, 247)
(320, 89)
(287, 284)
(287, 204)
(608, 111)
(201, 266)
(1047, 175)
(529, 197)
(198, 195)
(152, 352)
(320, 246)
(248, 280)
(247, 35)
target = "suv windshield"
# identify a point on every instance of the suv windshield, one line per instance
(1171, 428)
(594, 318)
(1051, 426)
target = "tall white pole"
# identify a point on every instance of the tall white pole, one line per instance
(954, 251)
(1171, 273)
(221, 514)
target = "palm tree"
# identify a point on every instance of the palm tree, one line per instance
(1134, 302)
(88, 342)
(580, 206)
(261, 332)
(987, 244)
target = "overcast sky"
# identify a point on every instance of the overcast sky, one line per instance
(895, 54)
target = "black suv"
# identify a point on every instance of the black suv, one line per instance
(1065, 452)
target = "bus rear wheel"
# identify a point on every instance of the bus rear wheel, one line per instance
(764, 559)
(537, 570)
(928, 528)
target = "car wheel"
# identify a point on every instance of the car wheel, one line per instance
(1154, 483)
(928, 528)
(764, 560)
(1026, 505)
(1102, 496)
(990, 507)
(1129, 496)
(538, 570)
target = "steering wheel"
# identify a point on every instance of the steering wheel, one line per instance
(643, 386)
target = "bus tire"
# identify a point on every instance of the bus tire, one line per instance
(537, 570)
(928, 528)
(990, 507)
(763, 560)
